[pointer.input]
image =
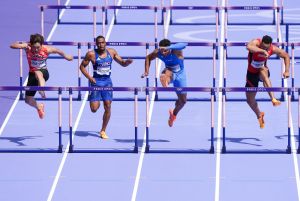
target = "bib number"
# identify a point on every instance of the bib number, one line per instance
(38, 63)
(103, 71)
(258, 64)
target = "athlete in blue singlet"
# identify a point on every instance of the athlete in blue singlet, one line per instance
(101, 59)
(174, 71)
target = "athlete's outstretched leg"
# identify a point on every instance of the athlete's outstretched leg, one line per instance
(179, 104)
(39, 107)
(254, 106)
(264, 76)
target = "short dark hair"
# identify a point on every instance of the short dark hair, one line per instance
(100, 36)
(36, 38)
(164, 43)
(267, 39)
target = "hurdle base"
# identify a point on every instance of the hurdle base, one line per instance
(193, 23)
(104, 151)
(224, 149)
(212, 150)
(136, 150)
(288, 150)
(249, 23)
(60, 149)
(137, 23)
(147, 148)
(189, 99)
(181, 151)
(46, 150)
(266, 151)
(244, 99)
(71, 148)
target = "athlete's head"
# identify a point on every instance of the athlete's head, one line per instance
(266, 42)
(101, 43)
(36, 42)
(163, 44)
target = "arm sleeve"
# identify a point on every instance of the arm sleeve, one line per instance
(178, 46)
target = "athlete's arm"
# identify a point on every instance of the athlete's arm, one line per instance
(19, 45)
(253, 46)
(178, 53)
(83, 65)
(53, 50)
(285, 56)
(119, 59)
(177, 46)
(148, 60)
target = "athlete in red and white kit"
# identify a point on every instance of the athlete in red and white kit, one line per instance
(37, 55)
(259, 52)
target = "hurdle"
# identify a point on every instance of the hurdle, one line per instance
(116, 150)
(39, 150)
(94, 21)
(274, 8)
(226, 57)
(87, 23)
(133, 7)
(197, 8)
(255, 89)
(178, 89)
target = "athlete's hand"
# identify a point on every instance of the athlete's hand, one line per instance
(69, 57)
(144, 75)
(128, 62)
(286, 74)
(266, 54)
(92, 80)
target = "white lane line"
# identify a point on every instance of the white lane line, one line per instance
(62, 163)
(219, 128)
(293, 142)
(18, 95)
(141, 159)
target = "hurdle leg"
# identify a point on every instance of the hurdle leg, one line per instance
(136, 121)
(21, 74)
(212, 149)
(223, 121)
(289, 150)
(71, 146)
(60, 146)
(147, 121)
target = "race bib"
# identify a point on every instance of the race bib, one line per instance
(174, 69)
(103, 71)
(39, 63)
(258, 64)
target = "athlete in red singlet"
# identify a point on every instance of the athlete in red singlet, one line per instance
(259, 52)
(37, 55)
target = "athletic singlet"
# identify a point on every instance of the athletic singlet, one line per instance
(37, 60)
(102, 66)
(172, 62)
(258, 60)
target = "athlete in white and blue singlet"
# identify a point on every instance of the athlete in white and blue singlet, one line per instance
(174, 71)
(101, 59)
